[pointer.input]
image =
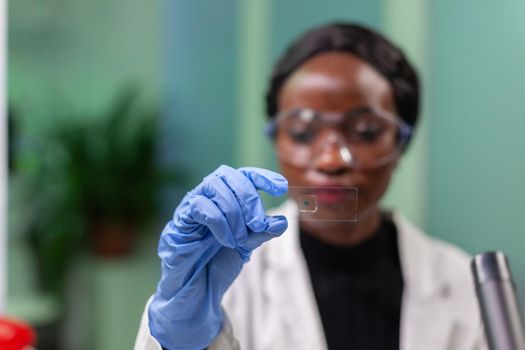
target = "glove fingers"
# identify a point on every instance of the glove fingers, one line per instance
(206, 212)
(266, 180)
(276, 226)
(247, 196)
(219, 193)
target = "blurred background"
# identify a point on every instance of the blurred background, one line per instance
(116, 108)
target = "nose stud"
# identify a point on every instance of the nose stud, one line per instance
(344, 152)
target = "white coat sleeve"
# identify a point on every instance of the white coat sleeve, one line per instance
(145, 341)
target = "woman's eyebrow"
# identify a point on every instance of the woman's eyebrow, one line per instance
(359, 110)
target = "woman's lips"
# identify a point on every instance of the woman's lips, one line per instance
(333, 195)
(329, 191)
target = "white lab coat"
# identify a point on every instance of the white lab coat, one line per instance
(271, 304)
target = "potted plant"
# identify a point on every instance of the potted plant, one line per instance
(97, 181)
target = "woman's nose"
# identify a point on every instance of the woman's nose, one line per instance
(332, 155)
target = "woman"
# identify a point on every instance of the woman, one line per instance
(343, 102)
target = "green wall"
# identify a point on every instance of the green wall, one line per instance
(199, 76)
(75, 54)
(476, 124)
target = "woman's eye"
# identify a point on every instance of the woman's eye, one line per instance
(301, 135)
(365, 132)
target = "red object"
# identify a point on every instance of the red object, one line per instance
(15, 334)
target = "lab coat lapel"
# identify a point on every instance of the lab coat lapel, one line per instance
(424, 324)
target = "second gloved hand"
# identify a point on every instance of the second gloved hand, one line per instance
(213, 232)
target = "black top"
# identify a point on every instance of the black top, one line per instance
(358, 289)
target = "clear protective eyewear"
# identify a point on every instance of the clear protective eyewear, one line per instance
(363, 138)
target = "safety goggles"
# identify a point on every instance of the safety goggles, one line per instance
(363, 138)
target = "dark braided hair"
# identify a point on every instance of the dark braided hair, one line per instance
(364, 43)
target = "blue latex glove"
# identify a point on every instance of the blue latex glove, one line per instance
(212, 234)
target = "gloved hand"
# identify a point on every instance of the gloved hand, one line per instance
(213, 232)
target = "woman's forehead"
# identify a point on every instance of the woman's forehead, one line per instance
(336, 80)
